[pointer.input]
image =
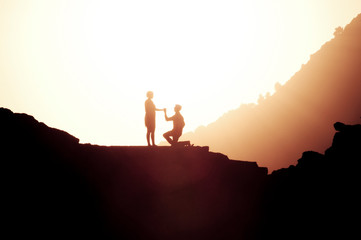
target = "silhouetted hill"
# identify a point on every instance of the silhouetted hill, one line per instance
(317, 198)
(300, 114)
(56, 188)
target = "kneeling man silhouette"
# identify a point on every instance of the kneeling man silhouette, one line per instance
(178, 125)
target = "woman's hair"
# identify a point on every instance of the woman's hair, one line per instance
(149, 94)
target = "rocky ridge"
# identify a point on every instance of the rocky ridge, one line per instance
(56, 188)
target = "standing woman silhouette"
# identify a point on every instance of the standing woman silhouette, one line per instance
(150, 117)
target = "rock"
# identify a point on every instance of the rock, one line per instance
(85, 190)
(56, 188)
(346, 143)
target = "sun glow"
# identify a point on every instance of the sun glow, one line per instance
(85, 66)
(191, 56)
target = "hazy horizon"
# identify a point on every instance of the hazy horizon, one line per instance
(85, 66)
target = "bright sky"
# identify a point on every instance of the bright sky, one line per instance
(84, 66)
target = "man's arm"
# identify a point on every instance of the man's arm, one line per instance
(166, 117)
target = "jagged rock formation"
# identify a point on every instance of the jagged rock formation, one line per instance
(318, 197)
(56, 188)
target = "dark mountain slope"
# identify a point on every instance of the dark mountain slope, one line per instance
(317, 198)
(300, 114)
(55, 188)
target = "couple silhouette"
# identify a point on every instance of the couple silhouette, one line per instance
(178, 121)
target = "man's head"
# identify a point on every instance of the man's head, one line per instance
(150, 94)
(177, 108)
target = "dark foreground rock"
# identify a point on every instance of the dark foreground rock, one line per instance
(318, 198)
(56, 188)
